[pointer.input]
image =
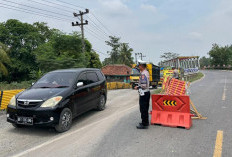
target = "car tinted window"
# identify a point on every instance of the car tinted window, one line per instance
(100, 75)
(92, 77)
(83, 78)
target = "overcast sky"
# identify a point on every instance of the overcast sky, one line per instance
(187, 27)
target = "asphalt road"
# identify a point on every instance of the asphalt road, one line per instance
(113, 133)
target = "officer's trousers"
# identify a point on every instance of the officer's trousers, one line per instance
(144, 102)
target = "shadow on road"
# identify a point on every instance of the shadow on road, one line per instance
(50, 131)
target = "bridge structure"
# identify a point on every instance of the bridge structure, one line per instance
(189, 64)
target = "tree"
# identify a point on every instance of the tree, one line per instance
(36, 48)
(62, 51)
(94, 60)
(125, 54)
(4, 59)
(169, 55)
(106, 61)
(65, 51)
(114, 53)
(120, 53)
(220, 55)
(23, 39)
(205, 61)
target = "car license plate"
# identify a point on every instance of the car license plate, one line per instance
(25, 120)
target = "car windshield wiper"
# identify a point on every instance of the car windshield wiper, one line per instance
(52, 87)
(60, 87)
(44, 87)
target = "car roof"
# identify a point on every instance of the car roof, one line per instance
(76, 70)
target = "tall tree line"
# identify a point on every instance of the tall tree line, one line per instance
(219, 56)
(29, 50)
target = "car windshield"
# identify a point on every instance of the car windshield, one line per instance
(56, 80)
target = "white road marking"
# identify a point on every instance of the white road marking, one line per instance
(71, 133)
(224, 91)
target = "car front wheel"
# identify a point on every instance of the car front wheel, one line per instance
(102, 103)
(65, 121)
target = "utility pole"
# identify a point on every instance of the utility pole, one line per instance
(81, 25)
(142, 56)
(136, 58)
(139, 54)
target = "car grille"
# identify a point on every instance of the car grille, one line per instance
(28, 103)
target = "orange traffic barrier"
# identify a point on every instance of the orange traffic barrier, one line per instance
(171, 110)
(173, 107)
(176, 87)
(165, 83)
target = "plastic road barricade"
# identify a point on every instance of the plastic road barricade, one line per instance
(171, 110)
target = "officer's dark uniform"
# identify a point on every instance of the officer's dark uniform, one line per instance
(144, 98)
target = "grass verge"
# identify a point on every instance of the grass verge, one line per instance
(15, 85)
(157, 91)
(195, 77)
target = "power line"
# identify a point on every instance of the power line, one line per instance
(36, 8)
(94, 24)
(101, 37)
(98, 31)
(81, 8)
(100, 52)
(68, 11)
(98, 27)
(47, 16)
(87, 16)
(31, 12)
(71, 4)
(92, 34)
(58, 4)
(102, 24)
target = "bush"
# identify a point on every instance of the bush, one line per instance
(15, 85)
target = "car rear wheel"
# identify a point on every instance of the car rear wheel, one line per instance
(65, 121)
(102, 103)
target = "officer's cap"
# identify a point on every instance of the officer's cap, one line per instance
(140, 62)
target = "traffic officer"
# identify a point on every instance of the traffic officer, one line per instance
(144, 95)
(175, 74)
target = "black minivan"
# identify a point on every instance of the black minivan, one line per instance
(58, 97)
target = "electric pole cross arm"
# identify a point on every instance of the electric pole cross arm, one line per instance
(81, 24)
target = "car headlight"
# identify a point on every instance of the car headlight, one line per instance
(13, 101)
(52, 102)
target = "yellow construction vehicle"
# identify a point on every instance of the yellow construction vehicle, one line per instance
(154, 72)
(168, 72)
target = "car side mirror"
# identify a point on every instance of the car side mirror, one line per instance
(80, 84)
